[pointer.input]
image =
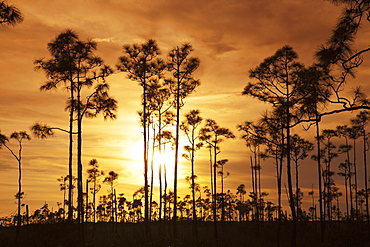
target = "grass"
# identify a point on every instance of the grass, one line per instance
(231, 234)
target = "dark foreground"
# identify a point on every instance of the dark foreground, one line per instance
(230, 234)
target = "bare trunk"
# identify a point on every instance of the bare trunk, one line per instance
(70, 158)
(195, 226)
(146, 192)
(215, 232)
(87, 200)
(365, 171)
(322, 220)
(176, 154)
(19, 222)
(79, 160)
(355, 171)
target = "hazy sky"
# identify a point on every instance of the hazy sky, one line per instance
(229, 37)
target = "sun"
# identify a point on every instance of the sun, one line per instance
(164, 160)
(160, 165)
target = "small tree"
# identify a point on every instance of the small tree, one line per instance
(19, 137)
(111, 181)
(300, 149)
(63, 186)
(189, 126)
(213, 134)
(221, 173)
(94, 175)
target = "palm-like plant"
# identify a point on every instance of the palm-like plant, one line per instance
(9, 14)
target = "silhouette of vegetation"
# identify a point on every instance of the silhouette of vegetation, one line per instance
(189, 126)
(94, 176)
(9, 14)
(141, 64)
(19, 137)
(74, 63)
(212, 134)
(182, 67)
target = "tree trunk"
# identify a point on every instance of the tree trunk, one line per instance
(80, 216)
(350, 182)
(70, 158)
(160, 163)
(87, 200)
(152, 176)
(146, 192)
(215, 232)
(176, 155)
(355, 171)
(322, 222)
(195, 226)
(279, 168)
(365, 171)
(94, 200)
(19, 222)
(297, 187)
(289, 173)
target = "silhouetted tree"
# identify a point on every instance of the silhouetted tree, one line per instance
(255, 136)
(327, 155)
(344, 131)
(221, 173)
(300, 149)
(182, 67)
(141, 63)
(189, 126)
(74, 63)
(340, 57)
(94, 175)
(362, 120)
(19, 137)
(241, 191)
(159, 103)
(9, 14)
(278, 82)
(354, 134)
(316, 89)
(44, 131)
(167, 140)
(213, 134)
(63, 186)
(110, 179)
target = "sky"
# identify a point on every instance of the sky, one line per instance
(230, 37)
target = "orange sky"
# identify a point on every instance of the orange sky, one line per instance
(229, 36)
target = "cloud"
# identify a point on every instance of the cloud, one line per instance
(109, 40)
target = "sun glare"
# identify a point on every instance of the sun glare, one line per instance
(164, 159)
